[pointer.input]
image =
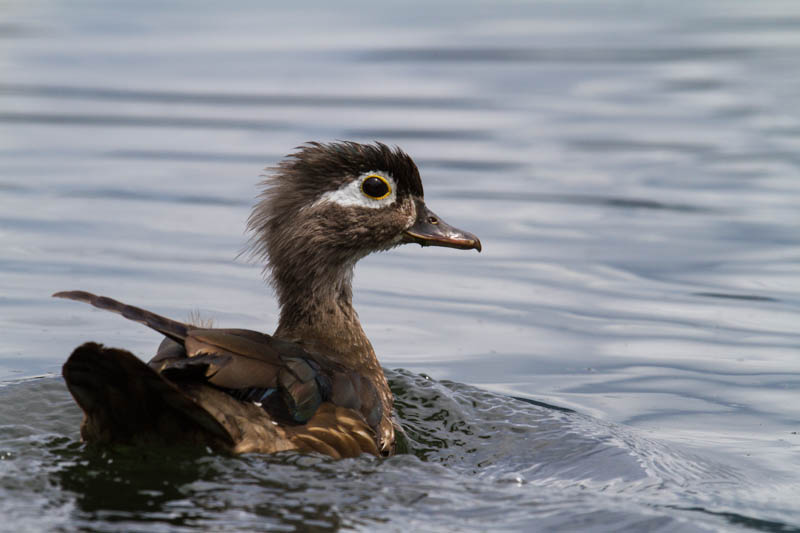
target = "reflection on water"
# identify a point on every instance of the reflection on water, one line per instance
(631, 170)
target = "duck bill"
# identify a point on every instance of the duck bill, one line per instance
(430, 230)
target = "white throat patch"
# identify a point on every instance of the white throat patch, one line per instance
(350, 194)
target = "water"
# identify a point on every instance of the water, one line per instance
(630, 168)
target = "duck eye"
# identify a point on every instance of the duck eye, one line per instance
(376, 187)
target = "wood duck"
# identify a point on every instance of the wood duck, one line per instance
(315, 385)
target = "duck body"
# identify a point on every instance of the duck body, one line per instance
(315, 385)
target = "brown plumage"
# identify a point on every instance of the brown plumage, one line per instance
(315, 385)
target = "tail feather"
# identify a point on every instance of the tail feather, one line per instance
(173, 329)
(126, 401)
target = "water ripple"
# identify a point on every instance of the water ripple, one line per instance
(579, 199)
(471, 454)
(554, 55)
(154, 196)
(72, 119)
(239, 99)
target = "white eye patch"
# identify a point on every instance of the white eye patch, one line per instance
(353, 192)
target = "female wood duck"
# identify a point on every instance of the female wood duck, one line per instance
(315, 385)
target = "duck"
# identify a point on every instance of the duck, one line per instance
(315, 384)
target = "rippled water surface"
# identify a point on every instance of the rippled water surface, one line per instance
(624, 354)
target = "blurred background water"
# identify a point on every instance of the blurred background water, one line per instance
(630, 167)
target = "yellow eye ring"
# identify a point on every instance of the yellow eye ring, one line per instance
(376, 187)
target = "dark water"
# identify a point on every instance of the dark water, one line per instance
(631, 169)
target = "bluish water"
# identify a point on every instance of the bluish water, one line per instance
(630, 168)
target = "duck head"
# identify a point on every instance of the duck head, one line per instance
(328, 205)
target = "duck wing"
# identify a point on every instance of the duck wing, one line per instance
(263, 393)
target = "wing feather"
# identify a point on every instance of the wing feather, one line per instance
(255, 368)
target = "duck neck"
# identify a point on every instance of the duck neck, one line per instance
(317, 312)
